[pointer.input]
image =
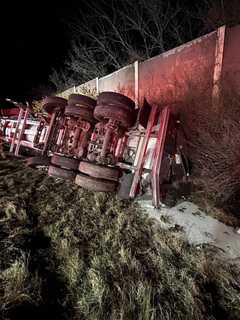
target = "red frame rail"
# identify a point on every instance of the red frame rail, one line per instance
(158, 156)
(141, 158)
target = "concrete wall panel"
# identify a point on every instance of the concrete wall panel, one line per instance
(121, 81)
(66, 93)
(89, 87)
(171, 76)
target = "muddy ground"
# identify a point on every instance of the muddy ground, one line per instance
(71, 254)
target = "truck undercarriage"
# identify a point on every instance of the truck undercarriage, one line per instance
(102, 145)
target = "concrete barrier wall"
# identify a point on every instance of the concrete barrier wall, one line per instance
(87, 88)
(175, 75)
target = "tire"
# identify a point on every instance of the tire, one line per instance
(115, 99)
(94, 184)
(37, 161)
(51, 104)
(80, 112)
(80, 100)
(65, 162)
(125, 117)
(99, 171)
(61, 173)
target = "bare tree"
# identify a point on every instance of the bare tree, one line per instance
(109, 34)
(61, 78)
(222, 12)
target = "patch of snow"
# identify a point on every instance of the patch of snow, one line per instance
(198, 228)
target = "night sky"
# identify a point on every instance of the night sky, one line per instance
(35, 38)
(33, 41)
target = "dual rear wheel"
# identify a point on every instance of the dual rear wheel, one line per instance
(53, 104)
(115, 106)
(80, 106)
(87, 175)
(63, 167)
(109, 106)
(95, 177)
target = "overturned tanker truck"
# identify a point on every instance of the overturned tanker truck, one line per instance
(102, 145)
(110, 144)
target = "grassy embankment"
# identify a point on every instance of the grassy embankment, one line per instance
(71, 254)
